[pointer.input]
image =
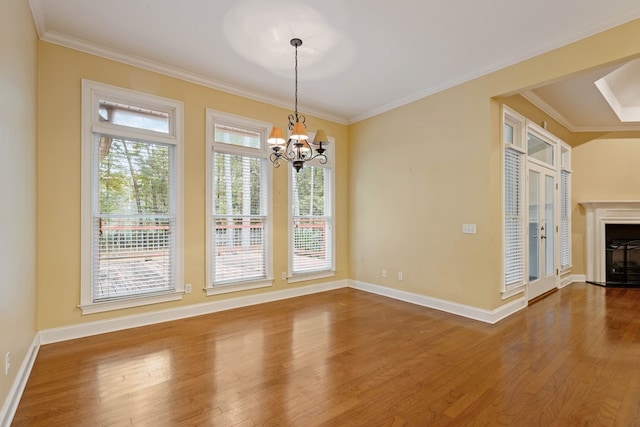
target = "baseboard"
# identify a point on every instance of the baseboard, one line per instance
(48, 336)
(15, 392)
(573, 278)
(487, 316)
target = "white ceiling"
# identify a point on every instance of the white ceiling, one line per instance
(359, 57)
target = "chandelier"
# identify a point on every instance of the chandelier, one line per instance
(297, 149)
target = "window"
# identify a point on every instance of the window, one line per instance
(238, 207)
(311, 228)
(540, 150)
(513, 201)
(565, 208)
(513, 219)
(513, 128)
(132, 201)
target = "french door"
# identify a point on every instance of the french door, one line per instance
(537, 214)
(542, 229)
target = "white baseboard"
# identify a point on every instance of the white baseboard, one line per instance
(488, 316)
(573, 278)
(15, 392)
(64, 333)
(48, 336)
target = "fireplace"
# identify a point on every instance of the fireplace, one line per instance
(612, 239)
(622, 259)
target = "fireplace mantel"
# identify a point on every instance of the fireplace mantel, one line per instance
(599, 213)
(611, 204)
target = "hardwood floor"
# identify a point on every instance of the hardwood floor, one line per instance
(349, 358)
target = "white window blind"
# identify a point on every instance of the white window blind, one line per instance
(565, 219)
(513, 218)
(239, 216)
(311, 249)
(134, 226)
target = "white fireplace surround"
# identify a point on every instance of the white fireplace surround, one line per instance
(599, 213)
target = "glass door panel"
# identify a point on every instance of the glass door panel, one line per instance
(534, 226)
(542, 241)
(549, 241)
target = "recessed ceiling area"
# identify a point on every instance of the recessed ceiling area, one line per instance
(359, 57)
(579, 104)
(621, 89)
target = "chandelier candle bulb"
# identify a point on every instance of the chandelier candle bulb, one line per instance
(276, 138)
(299, 132)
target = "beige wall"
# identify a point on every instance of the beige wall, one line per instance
(603, 169)
(61, 71)
(401, 200)
(410, 195)
(421, 171)
(18, 49)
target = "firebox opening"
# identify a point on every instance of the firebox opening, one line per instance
(622, 254)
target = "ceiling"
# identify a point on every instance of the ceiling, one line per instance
(359, 57)
(580, 104)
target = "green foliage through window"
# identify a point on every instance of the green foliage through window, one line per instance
(237, 185)
(134, 177)
(312, 219)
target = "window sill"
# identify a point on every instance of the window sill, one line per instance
(513, 291)
(245, 286)
(137, 301)
(303, 277)
(565, 270)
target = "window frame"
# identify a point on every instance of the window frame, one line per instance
(292, 276)
(214, 117)
(92, 93)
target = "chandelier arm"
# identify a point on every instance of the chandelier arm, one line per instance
(275, 159)
(322, 158)
(288, 152)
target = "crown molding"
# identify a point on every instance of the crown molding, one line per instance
(584, 32)
(147, 64)
(572, 127)
(530, 96)
(588, 30)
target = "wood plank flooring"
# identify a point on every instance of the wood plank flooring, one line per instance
(349, 358)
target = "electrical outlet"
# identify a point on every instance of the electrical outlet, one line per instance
(400, 275)
(7, 363)
(284, 275)
(383, 273)
(187, 288)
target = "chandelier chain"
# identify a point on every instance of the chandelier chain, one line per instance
(296, 95)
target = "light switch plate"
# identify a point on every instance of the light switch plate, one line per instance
(469, 228)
